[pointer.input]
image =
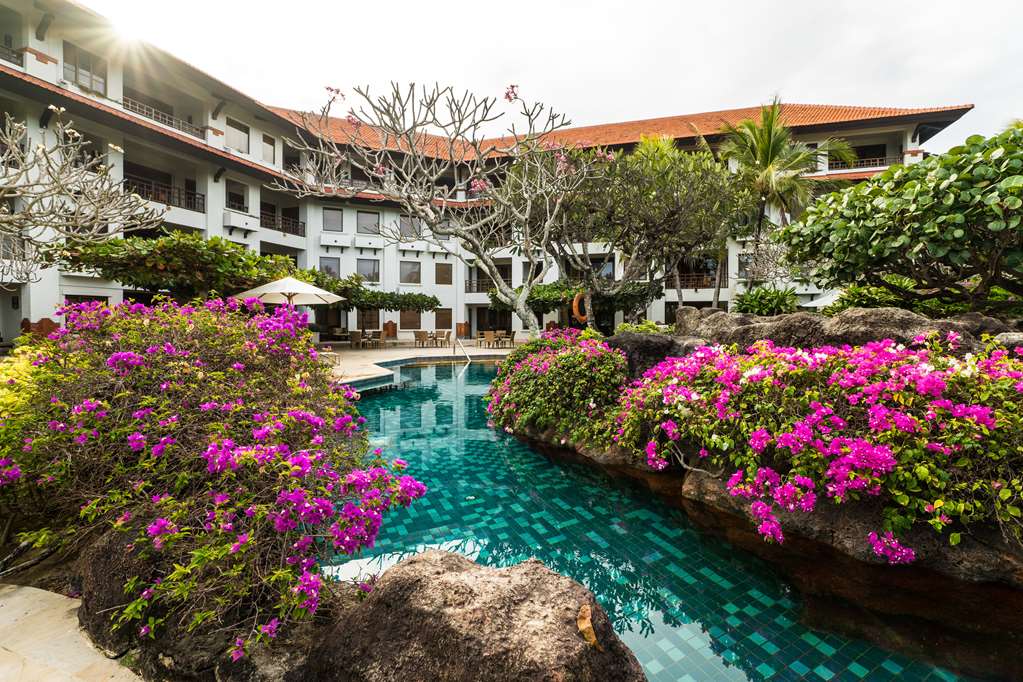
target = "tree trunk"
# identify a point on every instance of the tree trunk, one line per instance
(678, 290)
(591, 319)
(719, 277)
(528, 317)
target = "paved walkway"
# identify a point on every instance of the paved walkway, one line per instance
(40, 641)
(362, 363)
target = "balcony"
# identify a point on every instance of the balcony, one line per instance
(876, 162)
(478, 286)
(163, 117)
(166, 194)
(282, 224)
(693, 280)
(13, 56)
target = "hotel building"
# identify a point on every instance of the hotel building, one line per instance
(207, 153)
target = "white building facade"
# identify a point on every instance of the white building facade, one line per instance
(208, 153)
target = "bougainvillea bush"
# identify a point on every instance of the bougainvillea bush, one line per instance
(564, 382)
(215, 440)
(938, 439)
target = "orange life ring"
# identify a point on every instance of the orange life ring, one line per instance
(576, 311)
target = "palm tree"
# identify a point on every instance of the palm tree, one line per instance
(776, 164)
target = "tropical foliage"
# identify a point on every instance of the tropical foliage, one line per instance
(187, 265)
(214, 441)
(775, 164)
(560, 382)
(950, 225)
(642, 327)
(766, 300)
(934, 437)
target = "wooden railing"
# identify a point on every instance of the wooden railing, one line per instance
(165, 194)
(282, 223)
(11, 55)
(478, 286)
(693, 280)
(163, 117)
(876, 162)
(237, 206)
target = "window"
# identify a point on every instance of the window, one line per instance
(269, 149)
(410, 272)
(84, 298)
(442, 318)
(369, 318)
(330, 265)
(85, 69)
(444, 273)
(237, 196)
(367, 222)
(368, 269)
(410, 228)
(333, 219)
(237, 136)
(410, 319)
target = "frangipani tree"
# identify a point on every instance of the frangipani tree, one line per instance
(56, 191)
(426, 149)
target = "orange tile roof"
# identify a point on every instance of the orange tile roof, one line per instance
(687, 126)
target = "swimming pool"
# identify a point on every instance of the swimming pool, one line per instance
(690, 607)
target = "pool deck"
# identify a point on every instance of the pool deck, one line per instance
(40, 640)
(366, 365)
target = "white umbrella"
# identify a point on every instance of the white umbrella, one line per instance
(291, 291)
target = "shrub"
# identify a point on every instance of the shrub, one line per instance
(644, 327)
(936, 438)
(857, 296)
(766, 301)
(215, 440)
(561, 382)
(951, 224)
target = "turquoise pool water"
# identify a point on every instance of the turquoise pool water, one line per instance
(690, 607)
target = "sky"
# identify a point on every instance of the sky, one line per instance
(601, 61)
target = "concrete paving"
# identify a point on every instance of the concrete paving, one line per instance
(40, 641)
(362, 364)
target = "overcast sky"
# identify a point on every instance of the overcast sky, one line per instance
(602, 62)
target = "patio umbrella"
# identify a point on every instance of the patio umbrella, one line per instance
(291, 291)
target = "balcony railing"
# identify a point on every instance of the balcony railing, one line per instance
(163, 117)
(237, 206)
(478, 286)
(282, 223)
(166, 194)
(13, 56)
(876, 162)
(693, 280)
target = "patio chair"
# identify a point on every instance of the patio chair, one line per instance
(511, 339)
(356, 340)
(489, 339)
(501, 337)
(479, 339)
(376, 339)
(444, 340)
(421, 338)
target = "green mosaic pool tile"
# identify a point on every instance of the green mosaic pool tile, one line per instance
(892, 667)
(857, 670)
(690, 607)
(823, 672)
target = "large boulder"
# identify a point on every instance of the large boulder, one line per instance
(854, 326)
(106, 565)
(439, 616)
(646, 350)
